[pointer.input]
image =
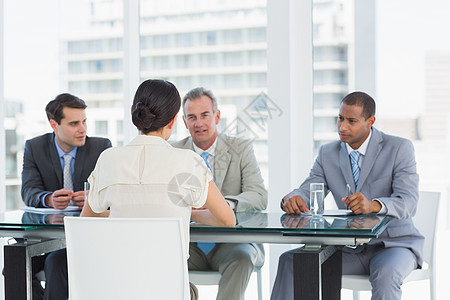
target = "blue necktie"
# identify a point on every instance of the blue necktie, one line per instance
(205, 156)
(354, 157)
(206, 247)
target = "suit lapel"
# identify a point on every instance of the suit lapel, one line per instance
(189, 144)
(54, 158)
(373, 149)
(222, 159)
(346, 169)
(80, 160)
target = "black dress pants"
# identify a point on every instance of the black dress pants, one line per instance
(54, 265)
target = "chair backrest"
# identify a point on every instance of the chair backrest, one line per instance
(126, 258)
(425, 221)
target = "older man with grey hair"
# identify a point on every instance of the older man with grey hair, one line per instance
(237, 175)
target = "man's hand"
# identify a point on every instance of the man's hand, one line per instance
(294, 204)
(359, 204)
(60, 199)
(78, 199)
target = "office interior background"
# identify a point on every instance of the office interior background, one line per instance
(278, 68)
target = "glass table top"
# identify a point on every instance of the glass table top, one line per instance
(353, 225)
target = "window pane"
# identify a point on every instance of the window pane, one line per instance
(70, 46)
(220, 45)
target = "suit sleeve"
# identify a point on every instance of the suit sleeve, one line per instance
(107, 144)
(316, 174)
(402, 203)
(254, 194)
(32, 184)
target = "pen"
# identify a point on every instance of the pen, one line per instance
(349, 192)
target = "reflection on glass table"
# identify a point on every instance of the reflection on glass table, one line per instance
(51, 218)
(319, 222)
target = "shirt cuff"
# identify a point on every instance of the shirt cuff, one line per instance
(43, 200)
(383, 209)
(231, 203)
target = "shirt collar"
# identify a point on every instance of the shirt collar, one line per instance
(61, 152)
(211, 150)
(143, 139)
(363, 148)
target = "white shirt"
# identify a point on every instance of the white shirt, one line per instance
(149, 178)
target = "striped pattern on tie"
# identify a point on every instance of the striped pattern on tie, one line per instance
(354, 158)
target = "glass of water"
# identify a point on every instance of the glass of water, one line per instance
(316, 198)
(86, 190)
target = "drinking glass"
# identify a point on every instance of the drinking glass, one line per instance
(86, 190)
(316, 197)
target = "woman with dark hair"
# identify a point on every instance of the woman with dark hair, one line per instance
(150, 178)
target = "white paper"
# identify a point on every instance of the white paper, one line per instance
(337, 212)
(50, 210)
(333, 212)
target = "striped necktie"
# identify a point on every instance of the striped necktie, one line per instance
(206, 247)
(354, 158)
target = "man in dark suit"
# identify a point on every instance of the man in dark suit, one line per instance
(55, 167)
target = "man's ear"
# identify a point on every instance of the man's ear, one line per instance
(53, 124)
(217, 117)
(371, 120)
(185, 122)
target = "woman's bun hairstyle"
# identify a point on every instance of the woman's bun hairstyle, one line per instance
(155, 104)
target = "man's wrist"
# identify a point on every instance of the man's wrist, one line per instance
(377, 206)
(47, 200)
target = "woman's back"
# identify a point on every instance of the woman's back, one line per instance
(149, 178)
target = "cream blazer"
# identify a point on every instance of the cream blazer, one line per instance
(149, 178)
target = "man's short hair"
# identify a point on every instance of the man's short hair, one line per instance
(198, 93)
(361, 99)
(54, 108)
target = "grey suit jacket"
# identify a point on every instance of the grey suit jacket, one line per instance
(237, 173)
(42, 172)
(388, 173)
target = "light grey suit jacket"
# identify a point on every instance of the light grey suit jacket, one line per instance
(388, 173)
(236, 172)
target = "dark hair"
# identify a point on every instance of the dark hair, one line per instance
(198, 93)
(361, 99)
(54, 108)
(155, 104)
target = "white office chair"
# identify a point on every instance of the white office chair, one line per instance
(425, 221)
(213, 278)
(126, 258)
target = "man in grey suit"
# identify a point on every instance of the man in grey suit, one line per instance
(381, 171)
(47, 160)
(237, 175)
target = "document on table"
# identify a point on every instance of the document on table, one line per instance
(337, 212)
(50, 210)
(333, 212)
